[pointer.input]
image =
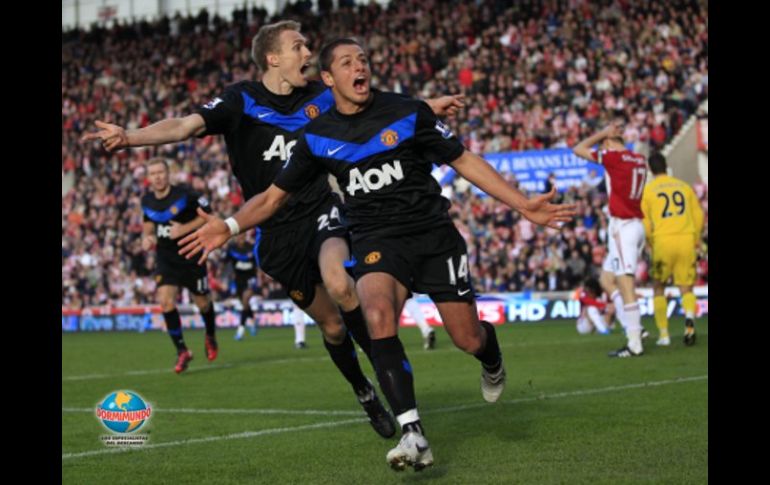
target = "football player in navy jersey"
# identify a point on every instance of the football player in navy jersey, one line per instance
(304, 245)
(241, 253)
(382, 147)
(166, 206)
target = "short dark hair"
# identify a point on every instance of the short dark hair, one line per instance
(266, 41)
(616, 139)
(657, 163)
(592, 284)
(326, 57)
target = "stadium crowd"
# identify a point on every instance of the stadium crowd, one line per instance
(539, 74)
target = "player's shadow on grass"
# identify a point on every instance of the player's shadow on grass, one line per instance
(452, 432)
(426, 475)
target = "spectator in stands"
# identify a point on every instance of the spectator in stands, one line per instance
(536, 75)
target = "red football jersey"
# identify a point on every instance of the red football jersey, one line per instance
(587, 301)
(626, 172)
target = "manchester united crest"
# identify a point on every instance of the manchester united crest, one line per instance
(373, 257)
(312, 111)
(389, 138)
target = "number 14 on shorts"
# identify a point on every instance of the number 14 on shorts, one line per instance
(462, 270)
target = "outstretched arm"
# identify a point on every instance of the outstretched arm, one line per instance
(171, 130)
(446, 105)
(538, 209)
(216, 232)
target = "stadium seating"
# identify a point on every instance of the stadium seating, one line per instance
(535, 75)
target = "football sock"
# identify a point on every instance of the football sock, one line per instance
(490, 355)
(617, 300)
(174, 327)
(345, 358)
(660, 305)
(633, 324)
(209, 319)
(246, 313)
(356, 324)
(410, 421)
(298, 317)
(688, 304)
(394, 373)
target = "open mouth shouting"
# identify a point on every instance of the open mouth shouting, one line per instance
(361, 84)
(303, 69)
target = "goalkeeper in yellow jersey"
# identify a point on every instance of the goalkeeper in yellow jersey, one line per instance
(673, 220)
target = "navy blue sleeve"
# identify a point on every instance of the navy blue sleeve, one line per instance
(222, 114)
(435, 141)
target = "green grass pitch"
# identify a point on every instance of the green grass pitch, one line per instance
(264, 412)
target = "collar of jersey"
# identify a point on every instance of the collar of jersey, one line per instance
(290, 122)
(164, 216)
(349, 152)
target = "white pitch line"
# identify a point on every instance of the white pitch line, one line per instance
(320, 412)
(143, 372)
(585, 392)
(253, 434)
(246, 434)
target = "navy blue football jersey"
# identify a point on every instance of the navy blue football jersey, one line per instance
(180, 205)
(260, 129)
(382, 158)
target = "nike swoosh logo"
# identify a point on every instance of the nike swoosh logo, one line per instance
(263, 115)
(332, 152)
(330, 228)
(421, 449)
(463, 292)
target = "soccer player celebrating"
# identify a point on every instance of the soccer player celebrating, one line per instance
(626, 172)
(673, 220)
(165, 205)
(381, 147)
(303, 245)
